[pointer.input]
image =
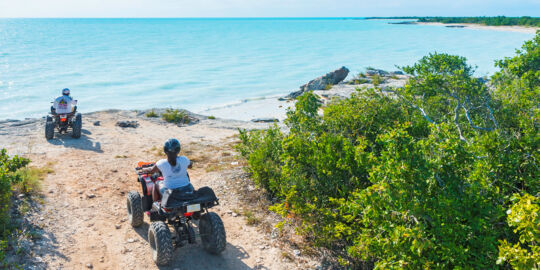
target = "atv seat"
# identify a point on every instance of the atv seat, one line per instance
(204, 196)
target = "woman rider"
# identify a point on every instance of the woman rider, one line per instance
(173, 169)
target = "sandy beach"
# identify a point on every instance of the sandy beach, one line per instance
(511, 28)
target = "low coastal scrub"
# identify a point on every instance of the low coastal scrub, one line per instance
(175, 116)
(9, 179)
(152, 114)
(442, 173)
(16, 178)
(497, 21)
(376, 80)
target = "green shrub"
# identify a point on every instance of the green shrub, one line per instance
(417, 179)
(8, 179)
(211, 117)
(328, 87)
(524, 216)
(262, 149)
(152, 114)
(376, 80)
(175, 116)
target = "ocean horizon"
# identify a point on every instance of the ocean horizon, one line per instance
(202, 63)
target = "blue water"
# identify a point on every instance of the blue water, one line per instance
(200, 63)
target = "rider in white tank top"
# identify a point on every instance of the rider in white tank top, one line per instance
(174, 176)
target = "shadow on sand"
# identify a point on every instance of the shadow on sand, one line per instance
(44, 241)
(193, 256)
(82, 143)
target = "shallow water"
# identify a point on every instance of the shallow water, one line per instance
(200, 63)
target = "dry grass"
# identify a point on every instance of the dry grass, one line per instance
(251, 218)
(152, 114)
(287, 255)
(155, 151)
(31, 178)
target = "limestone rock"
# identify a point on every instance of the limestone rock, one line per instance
(125, 124)
(320, 83)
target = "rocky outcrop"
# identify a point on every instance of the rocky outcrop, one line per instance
(125, 124)
(320, 83)
(372, 71)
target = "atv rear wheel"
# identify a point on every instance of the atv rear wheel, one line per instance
(77, 126)
(212, 233)
(134, 209)
(49, 129)
(159, 237)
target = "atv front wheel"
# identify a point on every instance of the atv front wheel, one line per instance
(134, 209)
(212, 233)
(159, 237)
(49, 128)
(77, 126)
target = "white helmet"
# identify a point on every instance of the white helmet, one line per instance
(65, 92)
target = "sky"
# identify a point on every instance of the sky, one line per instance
(265, 8)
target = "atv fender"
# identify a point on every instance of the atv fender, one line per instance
(146, 199)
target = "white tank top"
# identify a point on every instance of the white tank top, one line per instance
(174, 176)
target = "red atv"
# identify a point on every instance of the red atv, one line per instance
(181, 212)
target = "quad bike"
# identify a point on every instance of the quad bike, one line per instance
(62, 122)
(180, 212)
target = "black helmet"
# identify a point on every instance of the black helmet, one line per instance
(172, 146)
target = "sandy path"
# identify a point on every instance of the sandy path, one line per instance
(84, 217)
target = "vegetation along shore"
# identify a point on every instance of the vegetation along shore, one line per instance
(442, 173)
(494, 21)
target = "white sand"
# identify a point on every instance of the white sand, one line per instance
(513, 28)
(247, 110)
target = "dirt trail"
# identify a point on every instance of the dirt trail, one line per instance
(84, 217)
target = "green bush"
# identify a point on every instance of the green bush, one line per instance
(524, 216)
(152, 114)
(420, 178)
(262, 149)
(8, 179)
(376, 80)
(175, 116)
(211, 117)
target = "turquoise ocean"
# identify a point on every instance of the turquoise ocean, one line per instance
(198, 64)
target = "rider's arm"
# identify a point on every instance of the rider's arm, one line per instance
(190, 164)
(151, 170)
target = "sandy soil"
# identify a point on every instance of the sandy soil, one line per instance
(513, 28)
(83, 216)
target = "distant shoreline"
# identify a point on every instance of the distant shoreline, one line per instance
(510, 28)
